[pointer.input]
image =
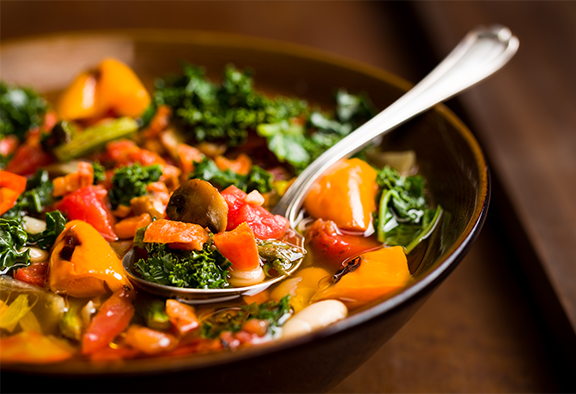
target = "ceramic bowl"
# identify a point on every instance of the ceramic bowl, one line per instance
(448, 156)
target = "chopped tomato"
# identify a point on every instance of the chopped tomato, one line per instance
(333, 246)
(239, 246)
(111, 319)
(35, 274)
(263, 223)
(8, 145)
(88, 204)
(27, 158)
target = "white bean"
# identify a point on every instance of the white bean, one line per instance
(241, 278)
(315, 316)
(33, 225)
(38, 255)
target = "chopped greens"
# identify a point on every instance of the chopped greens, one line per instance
(199, 269)
(20, 110)
(257, 179)
(14, 239)
(131, 181)
(37, 196)
(404, 216)
(274, 313)
(99, 172)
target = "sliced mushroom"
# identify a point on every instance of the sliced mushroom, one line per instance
(197, 201)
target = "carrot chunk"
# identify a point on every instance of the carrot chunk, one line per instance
(182, 235)
(239, 246)
(127, 228)
(183, 317)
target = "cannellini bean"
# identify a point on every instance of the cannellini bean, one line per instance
(33, 225)
(38, 255)
(315, 316)
(240, 278)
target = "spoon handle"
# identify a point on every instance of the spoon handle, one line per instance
(480, 53)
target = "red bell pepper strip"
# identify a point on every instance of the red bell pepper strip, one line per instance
(111, 319)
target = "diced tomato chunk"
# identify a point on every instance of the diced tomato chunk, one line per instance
(333, 246)
(35, 274)
(88, 204)
(27, 158)
(263, 223)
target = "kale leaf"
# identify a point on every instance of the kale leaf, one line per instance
(275, 313)
(257, 179)
(37, 196)
(13, 238)
(203, 269)
(20, 110)
(131, 181)
(404, 217)
(99, 172)
(222, 112)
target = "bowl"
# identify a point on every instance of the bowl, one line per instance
(448, 156)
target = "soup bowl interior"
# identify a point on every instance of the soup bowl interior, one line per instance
(448, 157)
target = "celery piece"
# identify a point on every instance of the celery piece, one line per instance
(71, 325)
(95, 137)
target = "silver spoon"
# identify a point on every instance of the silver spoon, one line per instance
(483, 51)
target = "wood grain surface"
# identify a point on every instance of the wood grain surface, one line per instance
(482, 330)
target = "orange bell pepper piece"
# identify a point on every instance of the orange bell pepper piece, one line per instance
(127, 228)
(239, 246)
(11, 186)
(8, 198)
(379, 273)
(83, 264)
(33, 348)
(112, 88)
(149, 341)
(183, 317)
(178, 235)
(346, 195)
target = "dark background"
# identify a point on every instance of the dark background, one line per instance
(504, 320)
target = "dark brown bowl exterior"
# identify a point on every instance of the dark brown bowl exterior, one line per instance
(448, 156)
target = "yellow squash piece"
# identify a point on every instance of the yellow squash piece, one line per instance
(301, 287)
(346, 195)
(83, 264)
(112, 88)
(33, 348)
(379, 273)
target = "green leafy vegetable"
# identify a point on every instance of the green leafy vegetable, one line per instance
(55, 223)
(275, 314)
(131, 181)
(37, 196)
(257, 179)
(20, 110)
(153, 311)
(99, 172)
(12, 239)
(222, 112)
(204, 269)
(404, 216)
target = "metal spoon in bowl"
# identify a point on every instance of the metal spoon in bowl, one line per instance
(481, 52)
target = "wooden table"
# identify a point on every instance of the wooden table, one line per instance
(504, 320)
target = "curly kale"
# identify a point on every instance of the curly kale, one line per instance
(222, 112)
(199, 269)
(257, 179)
(404, 217)
(99, 172)
(275, 313)
(20, 110)
(131, 181)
